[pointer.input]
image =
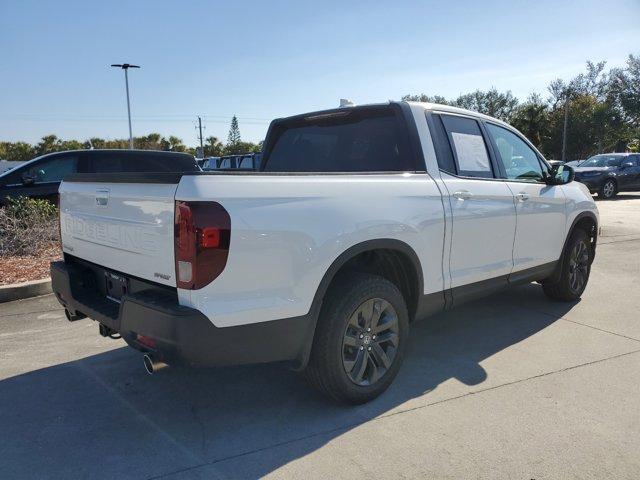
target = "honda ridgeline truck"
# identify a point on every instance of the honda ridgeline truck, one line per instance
(360, 221)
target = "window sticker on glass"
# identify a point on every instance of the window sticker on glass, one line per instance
(471, 152)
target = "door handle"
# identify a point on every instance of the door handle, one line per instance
(523, 196)
(463, 195)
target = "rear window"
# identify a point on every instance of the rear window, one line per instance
(358, 140)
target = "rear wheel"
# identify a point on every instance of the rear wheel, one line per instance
(608, 189)
(576, 267)
(359, 340)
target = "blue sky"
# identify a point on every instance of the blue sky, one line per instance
(261, 60)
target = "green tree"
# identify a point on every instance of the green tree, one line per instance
(532, 119)
(71, 145)
(16, 151)
(173, 144)
(493, 103)
(234, 134)
(625, 86)
(213, 147)
(153, 141)
(48, 144)
(95, 142)
(240, 148)
(594, 126)
(601, 109)
(426, 98)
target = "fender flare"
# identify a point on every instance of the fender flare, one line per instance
(581, 216)
(334, 268)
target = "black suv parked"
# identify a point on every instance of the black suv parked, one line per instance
(41, 177)
(610, 173)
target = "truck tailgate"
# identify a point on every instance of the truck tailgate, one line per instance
(127, 227)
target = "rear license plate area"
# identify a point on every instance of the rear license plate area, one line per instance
(115, 286)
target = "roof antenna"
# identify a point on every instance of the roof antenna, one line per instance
(345, 102)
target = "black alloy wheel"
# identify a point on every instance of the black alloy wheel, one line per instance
(370, 341)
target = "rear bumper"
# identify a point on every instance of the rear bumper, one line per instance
(180, 335)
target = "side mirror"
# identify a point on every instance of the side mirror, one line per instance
(560, 175)
(28, 179)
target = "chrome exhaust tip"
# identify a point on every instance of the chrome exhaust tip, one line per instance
(151, 365)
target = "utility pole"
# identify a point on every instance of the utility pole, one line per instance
(126, 67)
(200, 136)
(564, 129)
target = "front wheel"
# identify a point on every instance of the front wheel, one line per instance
(576, 267)
(359, 340)
(608, 189)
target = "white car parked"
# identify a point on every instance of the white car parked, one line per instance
(360, 221)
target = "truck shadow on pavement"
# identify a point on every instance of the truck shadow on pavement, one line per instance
(104, 417)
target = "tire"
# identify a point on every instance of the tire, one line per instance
(608, 190)
(342, 344)
(576, 262)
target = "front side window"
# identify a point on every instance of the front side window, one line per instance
(359, 140)
(470, 151)
(53, 170)
(519, 160)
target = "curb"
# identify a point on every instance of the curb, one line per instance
(18, 291)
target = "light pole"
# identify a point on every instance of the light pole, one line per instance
(564, 129)
(125, 67)
(567, 93)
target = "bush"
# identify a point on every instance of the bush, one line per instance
(27, 226)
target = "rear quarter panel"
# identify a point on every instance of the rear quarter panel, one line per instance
(286, 231)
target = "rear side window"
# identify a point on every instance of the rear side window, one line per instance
(358, 140)
(124, 161)
(444, 155)
(105, 164)
(468, 145)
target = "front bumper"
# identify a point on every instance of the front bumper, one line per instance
(179, 334)
(593, 184)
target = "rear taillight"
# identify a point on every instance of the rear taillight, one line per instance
(202, 234)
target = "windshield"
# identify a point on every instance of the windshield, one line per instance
(603, 161)
(7, 167)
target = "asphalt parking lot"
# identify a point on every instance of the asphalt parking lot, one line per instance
(513, 386)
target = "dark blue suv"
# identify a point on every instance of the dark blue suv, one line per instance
(41, 177)
(610, 173)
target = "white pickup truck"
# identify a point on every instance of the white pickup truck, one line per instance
(360, 221)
